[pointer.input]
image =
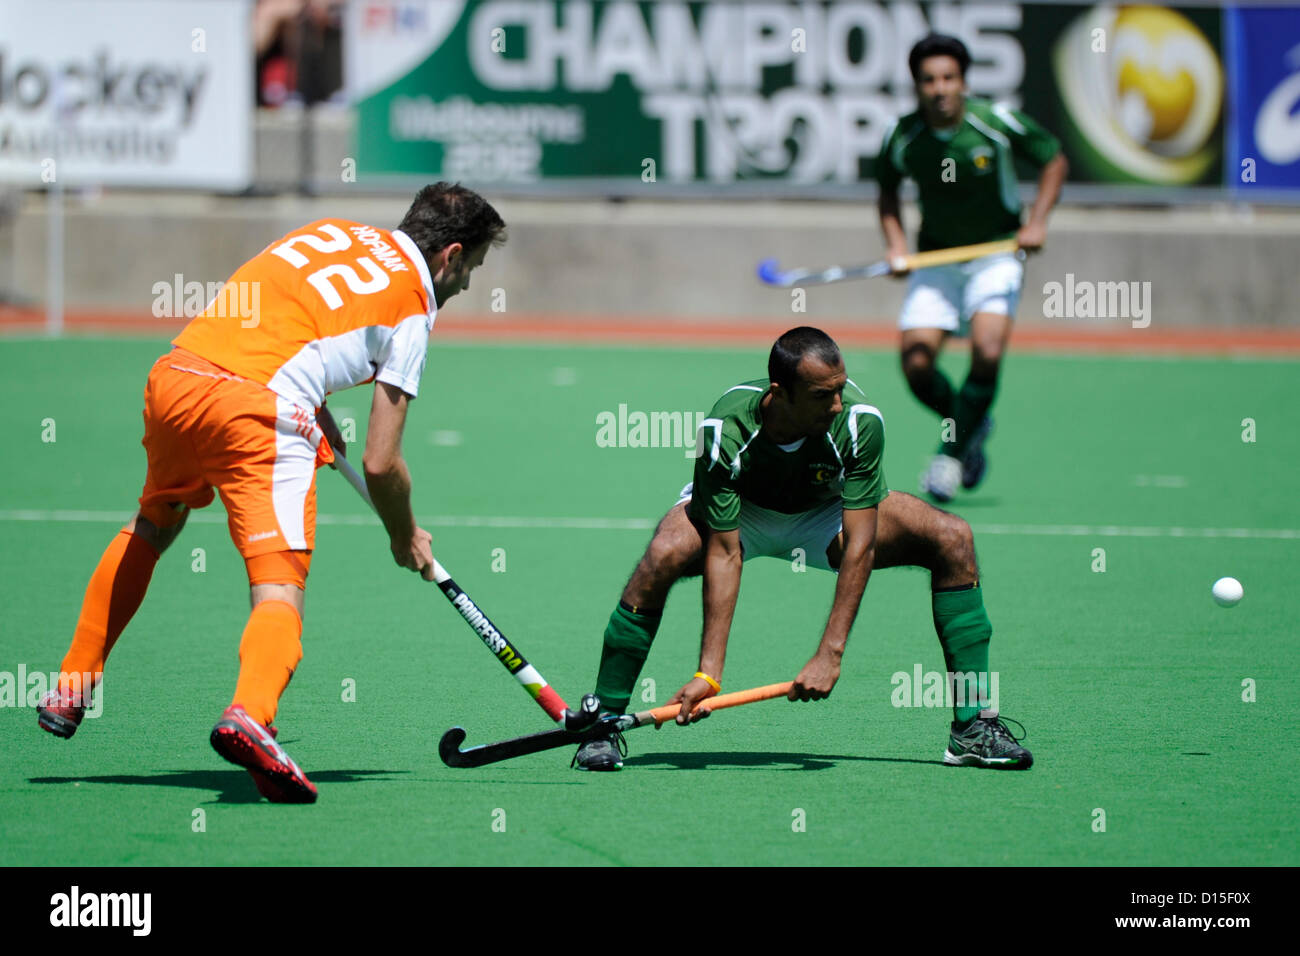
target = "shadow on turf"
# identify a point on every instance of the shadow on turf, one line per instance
(232, 786)
(800, 761)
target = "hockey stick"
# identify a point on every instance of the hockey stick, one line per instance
(770, 272)
(481, 624)
(451, 754)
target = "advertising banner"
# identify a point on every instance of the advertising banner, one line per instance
(723, 93)
(675, 91)
(135, 92)
(1135, 92)
(1264, 129)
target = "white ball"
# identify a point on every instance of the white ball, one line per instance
(1227, 592)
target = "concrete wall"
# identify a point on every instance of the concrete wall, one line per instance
(1206, 266)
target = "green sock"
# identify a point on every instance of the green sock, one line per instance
(969, 409)
(628, 637)
(935, 393)
(964, 632)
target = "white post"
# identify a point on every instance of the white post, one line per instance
(54, 224)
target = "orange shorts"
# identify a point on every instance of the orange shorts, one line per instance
(205, 428)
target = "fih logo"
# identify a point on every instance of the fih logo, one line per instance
(1143, 92)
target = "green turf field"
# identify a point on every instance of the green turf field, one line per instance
(1130, 681)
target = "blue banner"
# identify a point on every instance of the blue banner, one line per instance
(1263, 47)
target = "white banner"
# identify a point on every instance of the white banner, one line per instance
(127, 92)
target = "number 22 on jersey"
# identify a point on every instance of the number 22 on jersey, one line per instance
(322, 279)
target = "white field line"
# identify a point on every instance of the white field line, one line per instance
(646, 524)
(1131, 531)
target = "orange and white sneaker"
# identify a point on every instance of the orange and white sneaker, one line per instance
(243, 741)
(60, 711)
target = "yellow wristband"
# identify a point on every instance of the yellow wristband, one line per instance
(717, 688)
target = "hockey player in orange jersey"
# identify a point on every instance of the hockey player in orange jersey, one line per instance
(237, 408)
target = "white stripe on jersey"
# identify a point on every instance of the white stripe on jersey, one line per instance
(854, 412)
(1008, 185)
(716, 425)
(291, 475)
(408, 246)
(1001, 112)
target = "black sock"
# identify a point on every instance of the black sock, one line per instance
(935, 392)
(972, 404)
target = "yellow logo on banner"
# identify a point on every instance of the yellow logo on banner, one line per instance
(1144, 89)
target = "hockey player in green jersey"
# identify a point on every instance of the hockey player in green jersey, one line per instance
(791, 462)
(961, 152)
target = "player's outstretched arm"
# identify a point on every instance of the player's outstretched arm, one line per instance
(722, 564)
(819, 675)
(1034, 232)
(389, 482)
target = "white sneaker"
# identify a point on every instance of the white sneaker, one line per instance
(942, 478)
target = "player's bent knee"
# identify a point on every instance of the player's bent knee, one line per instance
(289, 594)
(986, 359)
(158, 538)
(668, 559)
(278, 576)
(957, 544)
(918, 363)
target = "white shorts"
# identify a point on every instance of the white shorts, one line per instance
(945, 297)
(774, 534)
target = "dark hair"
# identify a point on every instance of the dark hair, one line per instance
(937, 44)
(790, 349)
(445, 213)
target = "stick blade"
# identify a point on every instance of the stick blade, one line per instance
(483, 754)
(769, 271)
(449, 748)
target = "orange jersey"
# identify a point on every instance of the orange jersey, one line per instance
(331, 305)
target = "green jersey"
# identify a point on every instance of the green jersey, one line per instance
(966, 176)
(737, 461)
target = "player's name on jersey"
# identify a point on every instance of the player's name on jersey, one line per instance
(388, 257)
(657, 429)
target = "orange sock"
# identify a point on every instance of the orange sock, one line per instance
(113, 596)
(268, 653)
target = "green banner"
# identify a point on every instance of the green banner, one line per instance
(728, 92)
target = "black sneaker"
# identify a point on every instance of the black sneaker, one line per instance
(973, 462)
(987, 742)
(603, 753)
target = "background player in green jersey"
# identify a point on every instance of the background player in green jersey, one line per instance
(961, 152)
(794, 461)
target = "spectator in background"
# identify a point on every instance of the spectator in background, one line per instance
(298, 46)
